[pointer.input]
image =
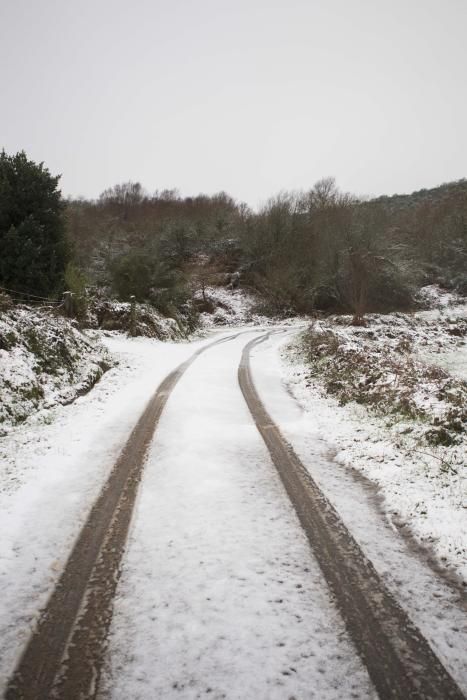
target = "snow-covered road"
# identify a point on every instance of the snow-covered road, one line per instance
(52, 469)
(220, 594)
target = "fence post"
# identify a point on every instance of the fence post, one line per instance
(133, 316)
(68, 304)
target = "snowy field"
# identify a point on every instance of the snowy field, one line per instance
(453, 361)
(445, 306)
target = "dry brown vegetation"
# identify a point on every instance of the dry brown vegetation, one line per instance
(321, 249)
(379, 366)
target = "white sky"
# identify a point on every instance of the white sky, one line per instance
(247, 96)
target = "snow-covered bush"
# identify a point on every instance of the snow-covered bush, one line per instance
(111, 315)
(44, 360)
(380, 366)
(434, 297)
(220, 306)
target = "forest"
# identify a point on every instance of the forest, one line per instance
(321, 250)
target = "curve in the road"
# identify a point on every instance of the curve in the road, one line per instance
(64, 654)
(399, 659)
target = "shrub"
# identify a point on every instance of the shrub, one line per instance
(33, 247)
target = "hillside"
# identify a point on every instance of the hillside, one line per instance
(301, 251)
(44, 361)
(451, 193)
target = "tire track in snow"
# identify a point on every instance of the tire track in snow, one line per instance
(220, 595)
(399, 659)
(64, 654)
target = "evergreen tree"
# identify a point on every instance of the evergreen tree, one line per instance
(33, 248)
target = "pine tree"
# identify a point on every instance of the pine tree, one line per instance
(33, 247)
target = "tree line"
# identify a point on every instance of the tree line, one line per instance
(321, 249)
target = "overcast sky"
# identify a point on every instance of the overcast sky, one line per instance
(247, 96)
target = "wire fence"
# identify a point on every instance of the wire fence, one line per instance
(28, 299)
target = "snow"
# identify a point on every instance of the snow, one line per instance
(377, 488)
(453, 362)
(434, 297)
(219, 593)
(233, 307)
(452, 359)
(51, 470)
(44, 360)
(110, 314)
(424, 484)
(391, 366)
